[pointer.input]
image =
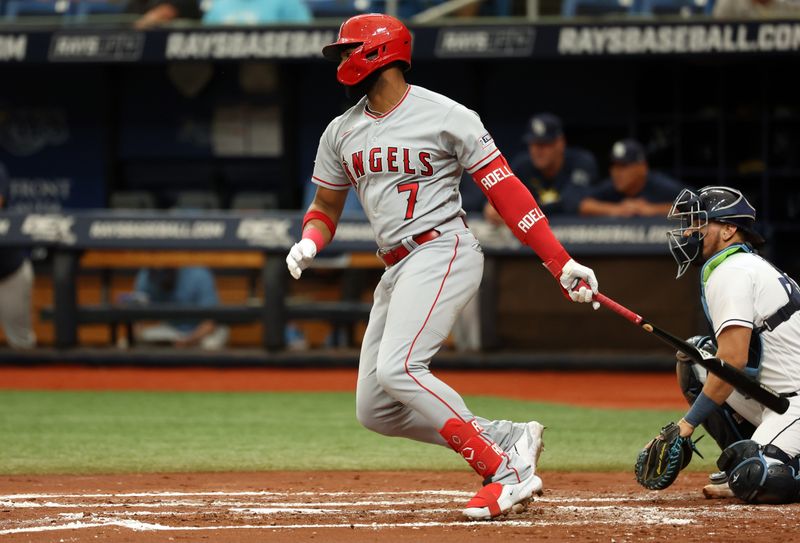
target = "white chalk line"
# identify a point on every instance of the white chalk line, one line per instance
(256, 493)
(149, 526)
(660, 512)
(216, 503)
(450, 493)
(255, 511)
(274, 510)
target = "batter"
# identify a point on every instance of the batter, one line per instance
(403, 149)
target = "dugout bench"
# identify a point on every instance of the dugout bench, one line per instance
(273, 311)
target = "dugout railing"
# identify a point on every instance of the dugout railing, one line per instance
(520, 307)
(272, 311)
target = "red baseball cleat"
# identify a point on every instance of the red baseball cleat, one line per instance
(497, 499)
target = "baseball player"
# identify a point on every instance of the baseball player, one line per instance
(752, 308)
(403, 148)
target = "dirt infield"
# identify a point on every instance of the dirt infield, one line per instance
(368, 506)
(359, 507)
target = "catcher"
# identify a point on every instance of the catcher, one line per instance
(752, 308)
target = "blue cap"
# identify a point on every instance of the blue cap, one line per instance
(543, 128)
(627, 151)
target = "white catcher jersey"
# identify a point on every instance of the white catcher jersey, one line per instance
(744, 290)
(405, 164)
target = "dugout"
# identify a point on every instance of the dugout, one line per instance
(233, 110)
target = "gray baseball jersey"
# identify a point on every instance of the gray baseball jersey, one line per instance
(406, 164)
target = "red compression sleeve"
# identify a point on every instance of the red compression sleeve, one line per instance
(515, 203)
(313, 233)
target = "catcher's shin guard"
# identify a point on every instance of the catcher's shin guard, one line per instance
(760, 474)
(469, 440)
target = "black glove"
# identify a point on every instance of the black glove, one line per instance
(664, 456)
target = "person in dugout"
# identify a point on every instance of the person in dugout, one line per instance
(558, 175)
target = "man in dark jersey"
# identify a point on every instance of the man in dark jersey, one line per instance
(558, 176)
(633, 190)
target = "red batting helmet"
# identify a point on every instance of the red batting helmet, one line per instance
(378, 40)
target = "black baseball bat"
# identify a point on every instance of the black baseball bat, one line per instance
(730, 374)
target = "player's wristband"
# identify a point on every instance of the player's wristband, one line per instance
(316, 236)
(555, 264)
(702, 407)
(320, 216)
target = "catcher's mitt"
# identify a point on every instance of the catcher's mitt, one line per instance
(664, 456)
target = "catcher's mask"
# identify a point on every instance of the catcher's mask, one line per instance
(695, 210)
(377, 40)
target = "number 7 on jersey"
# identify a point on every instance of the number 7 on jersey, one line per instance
(411, 189)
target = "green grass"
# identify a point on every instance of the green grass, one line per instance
(121, 432)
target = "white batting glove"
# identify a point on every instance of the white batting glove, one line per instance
(571, 275)
(300, 256)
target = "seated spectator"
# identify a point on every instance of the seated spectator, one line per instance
(16, 286)
(251, 12)
(190, 286)
(558, 176)
(756, 9)
(158, 12)
(633, 189)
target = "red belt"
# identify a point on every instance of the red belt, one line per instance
(391, 257)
